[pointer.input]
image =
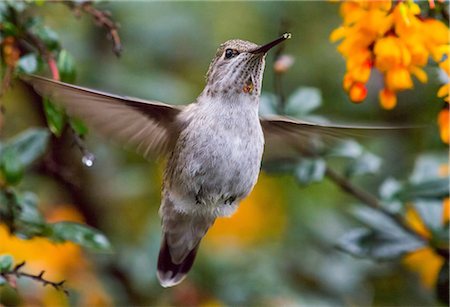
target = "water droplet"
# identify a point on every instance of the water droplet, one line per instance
(88, 159)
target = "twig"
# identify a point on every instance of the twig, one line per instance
(45, 53)
(369, 200)
(16, 272)
(103, 19)
(277, 82)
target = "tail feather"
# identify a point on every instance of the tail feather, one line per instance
(170, 273)
(182, 234)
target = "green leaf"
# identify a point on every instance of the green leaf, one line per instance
(390, 188)
(28, 145)
(81, 234)
(66, 66)
(56, 118)
(27, 220)
(47, 35)
(367, 163)
(385, 240)
(29, 212)
(78, 126)
(431, 213)
(362, 242)
(303, 101)
(377, 220)
(9, 29)
(28, 63)
(6, 263)
(310, 170)
(436, 188)
(427, 167)
(11, 166)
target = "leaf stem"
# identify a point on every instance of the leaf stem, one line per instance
(16, 272)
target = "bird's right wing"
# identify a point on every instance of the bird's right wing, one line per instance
(288, 137)
(146, 126)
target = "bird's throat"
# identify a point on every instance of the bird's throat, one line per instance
(248, 86)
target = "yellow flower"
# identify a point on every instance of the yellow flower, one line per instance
(398, 79)
(388, 99)
(396, 40)
(443, 92)
(391, 52)
(405, 13)
(260, 217)
(426, 262)
(420, 74)
(358, 92)
(436, 35)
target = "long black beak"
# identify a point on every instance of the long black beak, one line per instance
(268, 46)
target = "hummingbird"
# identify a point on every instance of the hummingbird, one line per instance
(214, 146)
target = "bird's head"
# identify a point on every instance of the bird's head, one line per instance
(238, 67)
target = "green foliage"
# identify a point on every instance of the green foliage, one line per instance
(83, 235)
(66, 66)
(19, 152)
(56, 118)
(78, 126)
(26, 221)
(46, 34)
(6, 263)
(20, 209)
(384, 240)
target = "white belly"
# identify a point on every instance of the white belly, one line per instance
(215, 164)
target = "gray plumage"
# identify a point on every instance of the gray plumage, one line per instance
(214, 145)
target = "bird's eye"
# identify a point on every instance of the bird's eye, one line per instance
(229, 53)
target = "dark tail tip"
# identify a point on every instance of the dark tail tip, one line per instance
(169, 273)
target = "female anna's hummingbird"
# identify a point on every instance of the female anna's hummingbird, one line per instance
(214, 145)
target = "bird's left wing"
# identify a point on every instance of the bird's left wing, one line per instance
(146, 126)
(287, 137)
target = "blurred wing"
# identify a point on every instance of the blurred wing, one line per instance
(287, 137)
(146, 126)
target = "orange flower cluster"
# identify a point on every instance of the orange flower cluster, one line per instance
(393, 38)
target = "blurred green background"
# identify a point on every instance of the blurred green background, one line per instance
(280, 247)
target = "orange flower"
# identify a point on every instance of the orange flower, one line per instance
(398, 79)
(395, 39)
(391, 52)
(444, 122)
(358, 92)
(388, 99)
(443, 92)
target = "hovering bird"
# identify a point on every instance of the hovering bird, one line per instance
(214, 145)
